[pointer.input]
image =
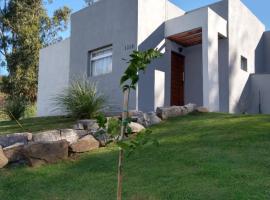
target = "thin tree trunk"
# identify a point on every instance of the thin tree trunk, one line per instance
(121, 152)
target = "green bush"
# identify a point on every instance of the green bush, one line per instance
(81, 99)
(14, 108)
(30, 111)
(114, 126)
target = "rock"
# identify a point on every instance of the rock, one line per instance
(69, 135)
(3, 159)
(103, 137)
(82, 133)
(39, 153)
(85, 144)
(136, 116)
(202, 110)
(8, 140)
(136, 127)
(190, 107)
(14, 153)
(151, 119)
(47, 136)
(174, 111)
(78, 127)
(88, 124)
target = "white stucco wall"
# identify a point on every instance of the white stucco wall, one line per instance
(152, 15)
(53, 76)
(245, 33)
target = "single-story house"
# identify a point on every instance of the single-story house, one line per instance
(217, 56)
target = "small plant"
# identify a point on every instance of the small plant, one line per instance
(81, 99)
(138, 63)
(114, 126)
(101, 120)
(14, 108)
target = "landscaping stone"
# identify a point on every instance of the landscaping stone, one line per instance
(3, 159)
(103, 137)
(39, 153)
(10, 139)
(151, 119)
(136, 127)
(85, 144)
(14, 153)
(136, 116)
(174, 111)
(190, 107)
(88, 124)
(69, 135)
(202, 110)
(47, 136)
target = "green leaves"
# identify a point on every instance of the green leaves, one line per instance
(25, 28)
(81, 99)
(138, 62)
(101, 120)
(138, 142)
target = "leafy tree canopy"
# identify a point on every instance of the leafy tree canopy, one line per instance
(25, 28)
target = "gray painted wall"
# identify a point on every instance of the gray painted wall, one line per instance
(105, 23)
(151, 35)
(267, 51)
(259, 84)
(53, 76)
(245, 33)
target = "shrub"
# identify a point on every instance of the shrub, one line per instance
(81, 99)
(114, 126)
(101, 120)
(14, 108)
(30, 111)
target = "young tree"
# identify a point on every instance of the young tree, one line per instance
(25, 28)
(138, 62)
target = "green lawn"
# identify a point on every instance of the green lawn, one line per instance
(36, 124)
(201, 156)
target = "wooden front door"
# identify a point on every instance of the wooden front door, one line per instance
(177, 79)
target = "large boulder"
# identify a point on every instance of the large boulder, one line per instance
(136, 127)
(14, 153)
(8, 140)
(87, 124)
(3, 159)
(39, 153)
(85, 144)
(174, 111)
(136, 116)
(47, 136)
(202, 110)
(69, 135)
(103, 137)
(151, 119)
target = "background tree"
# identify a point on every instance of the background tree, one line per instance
(25, 28)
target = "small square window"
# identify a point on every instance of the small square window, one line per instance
(244, 63)
(100, 62)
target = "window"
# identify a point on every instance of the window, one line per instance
(244, 63)
(101, 61)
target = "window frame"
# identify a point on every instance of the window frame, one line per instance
(92, 58)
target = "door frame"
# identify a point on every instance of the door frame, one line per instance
(184, 58)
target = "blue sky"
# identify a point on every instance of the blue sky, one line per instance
(259, 7)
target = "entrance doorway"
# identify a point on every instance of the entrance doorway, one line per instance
(177, 79)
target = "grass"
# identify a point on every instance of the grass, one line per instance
(36, 124)
(201, 156)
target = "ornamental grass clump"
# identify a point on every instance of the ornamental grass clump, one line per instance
(81, 99)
